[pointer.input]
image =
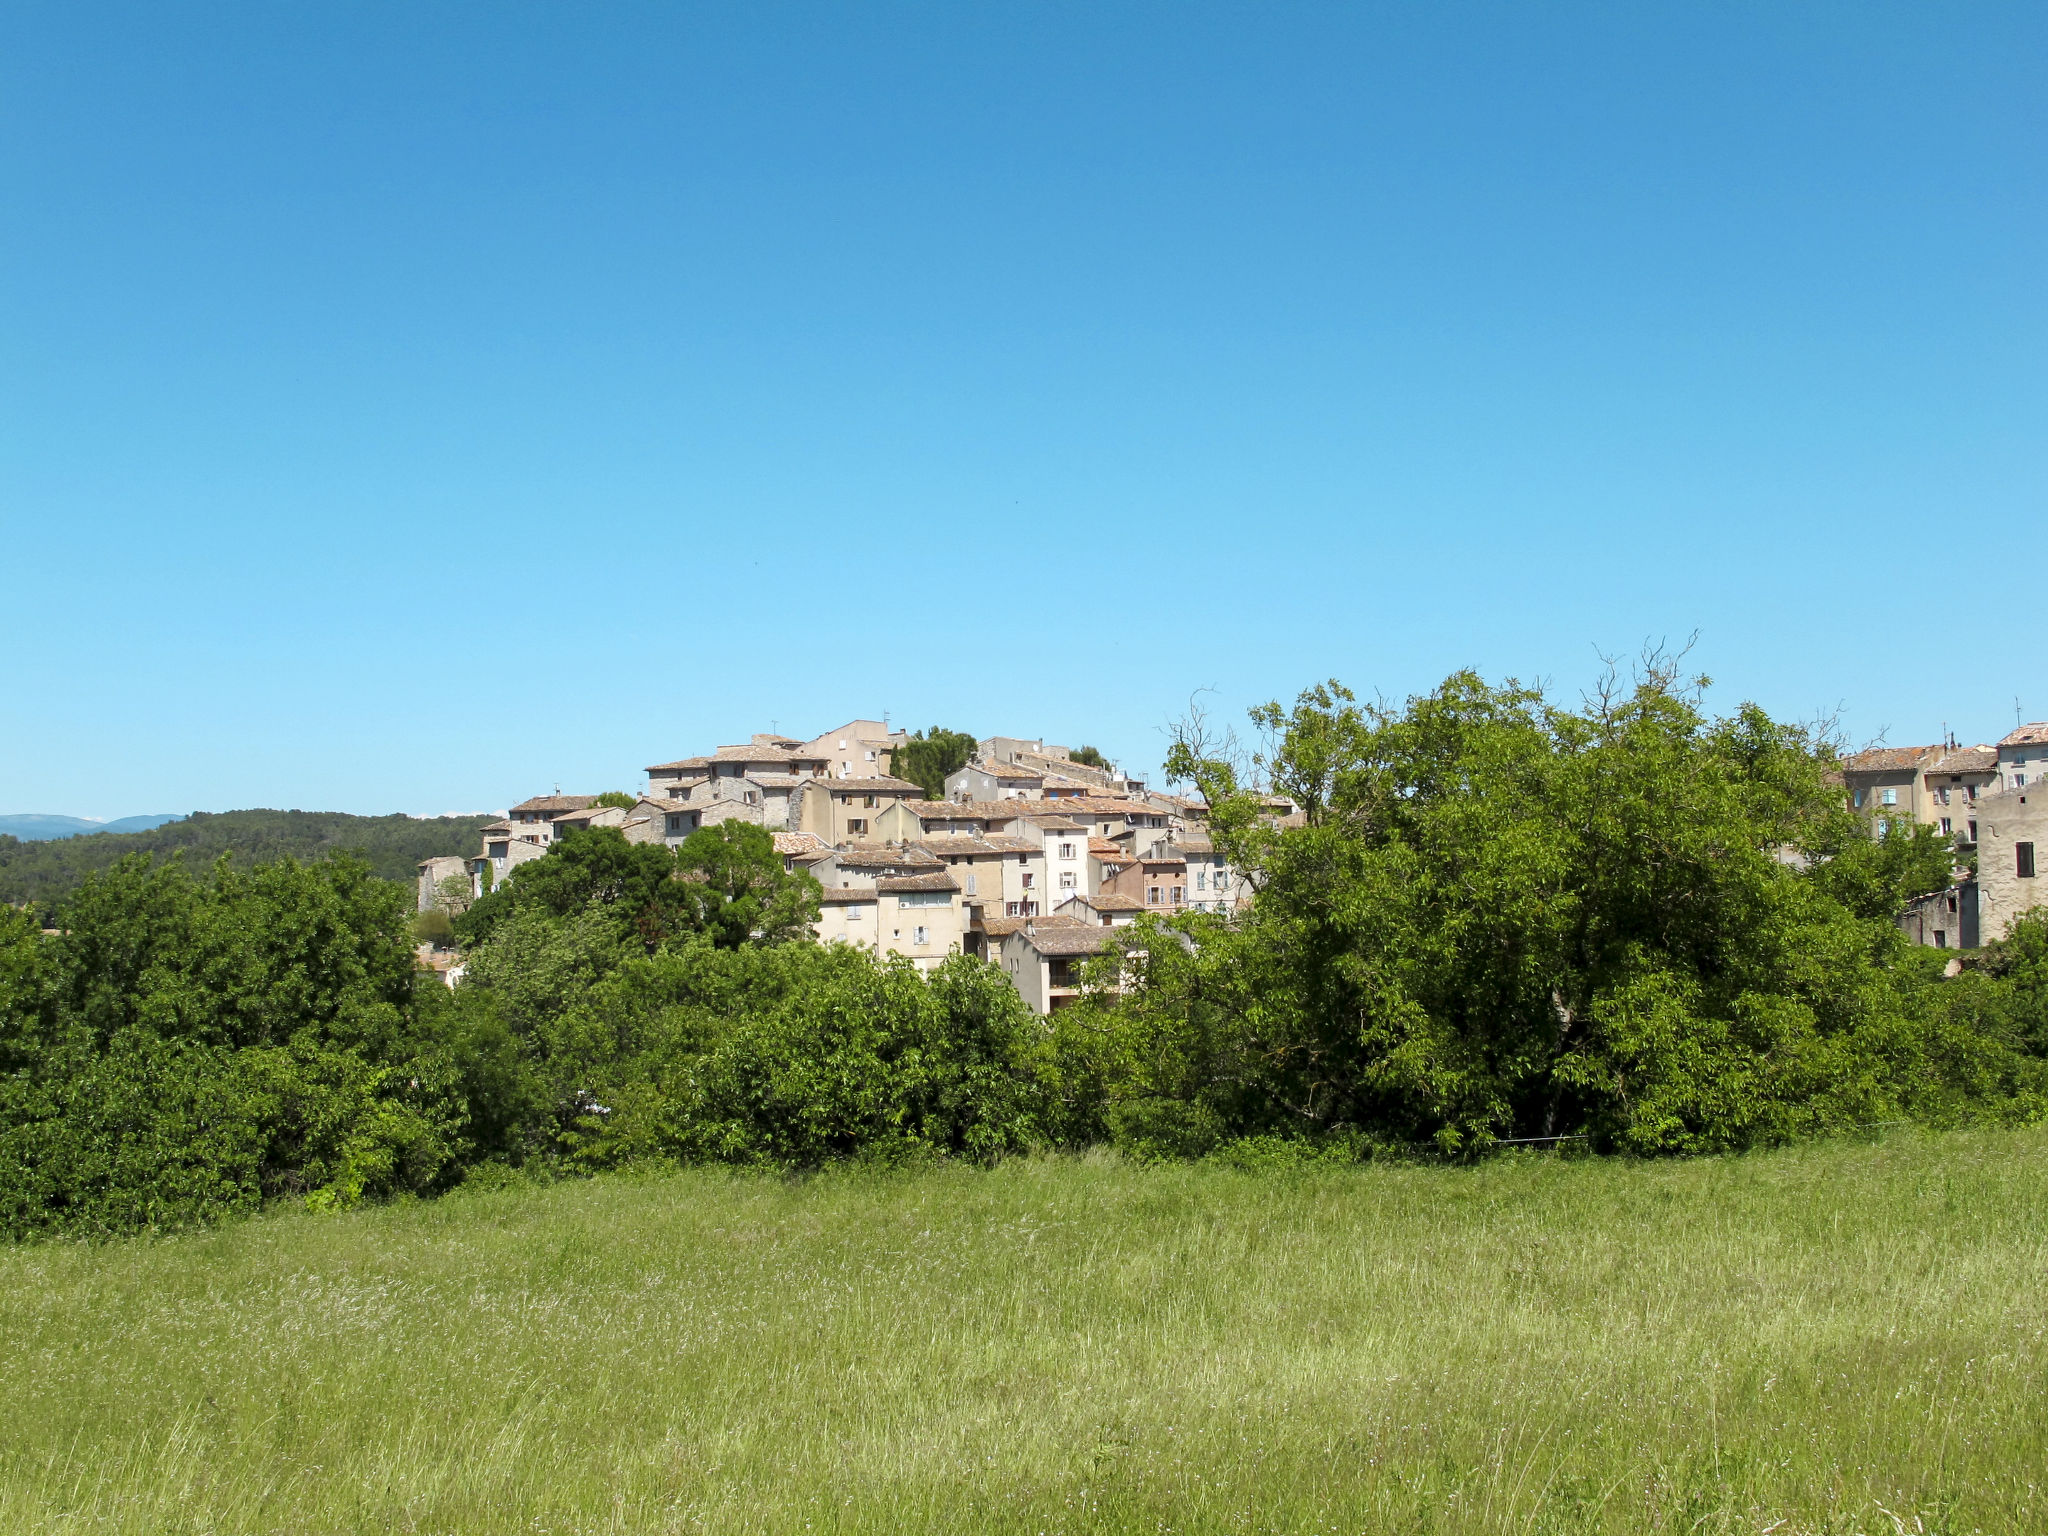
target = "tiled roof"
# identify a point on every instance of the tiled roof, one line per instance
(663, 803)
(556, 803)
(1002, 927)
(937, 880)
(1890, 759)
(956, 845)
(1004, 842)
(866, 855)
(1084, 939)
(873, 785)
(778, 780)
(588, 813)
(1111, 901)
(2027, 736)
(1102, 845)
(679, 765)
(1191, 842)
(496, 826)
(1966, 760)
(846, 898)
(1054, 821)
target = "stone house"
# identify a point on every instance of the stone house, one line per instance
(674, 820)
(2012, 836)
(858, 749)
(533, 820)
(1953, 784)
(993, 781)
(914, 915)
(1946, 919)
(1888, 783)
(433, 871)
(843, 810)
(1158, 880)
(1044, 960)
(857, 866)
(1062, 846)
(506, 847)
(1105, 909)
(2023, 756)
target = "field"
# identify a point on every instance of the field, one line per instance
(1841, 1338)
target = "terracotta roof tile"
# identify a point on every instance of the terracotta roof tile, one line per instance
(937, 880)
(883, 855)
(2033, 735)
(555, 803)
(1890, 759)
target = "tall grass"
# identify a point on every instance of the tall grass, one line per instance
(1831, 1339)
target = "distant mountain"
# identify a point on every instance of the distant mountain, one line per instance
(36, 829)
(46, 866)
(33, 829)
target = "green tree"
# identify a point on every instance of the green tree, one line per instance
(1628, 921)
(928, 757)
(617, 799)
(1089, 756)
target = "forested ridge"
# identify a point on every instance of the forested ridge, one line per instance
(1628, 925)
(392, 846)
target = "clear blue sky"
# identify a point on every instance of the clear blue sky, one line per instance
(414, 406)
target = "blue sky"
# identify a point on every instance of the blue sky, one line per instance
(410, 407)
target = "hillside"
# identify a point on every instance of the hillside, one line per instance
(394, 845)
(1835, 1338)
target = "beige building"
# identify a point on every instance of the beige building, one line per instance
(859, 866)
(1952, 786)
(844, 810)
(2012, 836)
(671, 821)
(533, 821)
(1044, 959)
(2023, 756)
(1158, 881)
(859, 749)
(913, 915)
(1886, 782)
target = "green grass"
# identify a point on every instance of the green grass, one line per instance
(1839, 1338)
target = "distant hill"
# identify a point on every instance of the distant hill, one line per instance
(35, 829)
(51, 867)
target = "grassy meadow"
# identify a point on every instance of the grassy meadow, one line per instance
(1837, 1338)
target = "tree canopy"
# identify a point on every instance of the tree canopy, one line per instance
(1502, 918)
(928, 757)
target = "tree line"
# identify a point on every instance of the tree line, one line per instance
(1626, 923)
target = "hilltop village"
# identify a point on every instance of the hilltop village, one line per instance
(1030, 860)
(1033, 858)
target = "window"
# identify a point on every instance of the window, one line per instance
(856, 912)
(2023, 860)
(1973, 831)
(1066, 850)
(1027, 879)
(1941, 796)
(917, 935)
(1178, 894)
(1889, 797)
(1201, 879)
(1947, 826)
(1066, 879)
(1940, 939)
(856, 824)
(973, 884)
(1883, 826)
(1859, 799)
(1013, 909)
(2019, 781)
(1970, 793)
(1152, 895)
